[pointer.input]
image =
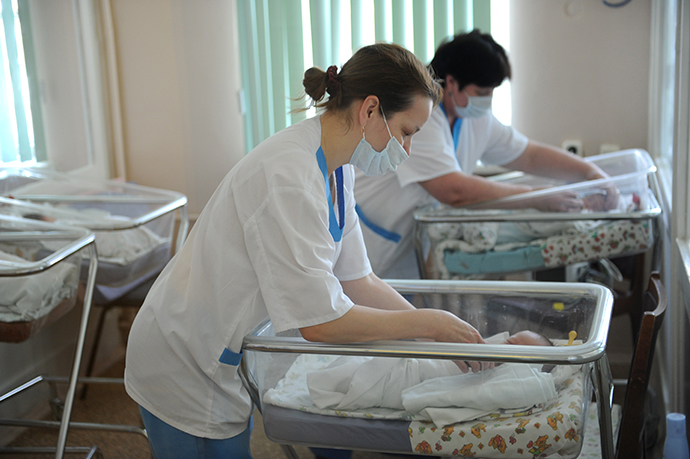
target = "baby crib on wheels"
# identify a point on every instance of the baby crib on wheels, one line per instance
(510, 235)
(354, 397)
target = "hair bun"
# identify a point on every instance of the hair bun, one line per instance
(332, 83)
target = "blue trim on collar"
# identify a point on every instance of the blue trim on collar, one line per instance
(456, 133)
(334, 227)
(457, 125)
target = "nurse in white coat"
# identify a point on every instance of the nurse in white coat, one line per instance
(460, 131)
(280, 238)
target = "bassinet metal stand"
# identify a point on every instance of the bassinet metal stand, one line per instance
(64, 423)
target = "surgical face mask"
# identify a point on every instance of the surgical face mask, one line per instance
(477, 106)
(375, 163)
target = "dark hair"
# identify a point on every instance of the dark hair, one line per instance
(472, 58)
(385, 70)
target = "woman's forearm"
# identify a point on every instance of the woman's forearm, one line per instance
(362, 323)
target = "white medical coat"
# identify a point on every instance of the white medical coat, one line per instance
(389, 202)
(261, 247)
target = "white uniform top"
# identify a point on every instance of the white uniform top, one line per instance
(388, 203)
(261, 247)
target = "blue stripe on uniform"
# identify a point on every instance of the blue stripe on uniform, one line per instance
(230, 358)
(384, 233)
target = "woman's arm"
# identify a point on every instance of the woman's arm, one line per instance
(373, 292)
(459, 189)
(363, 323)
(548, 161)
(382, 313)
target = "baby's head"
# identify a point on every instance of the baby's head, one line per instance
(529, 338)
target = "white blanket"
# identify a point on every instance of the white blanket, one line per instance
(450, 399)
(352, 383)
(436, 389)
(26, 298)
(120, 247)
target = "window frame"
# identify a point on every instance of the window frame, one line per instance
(72, 82)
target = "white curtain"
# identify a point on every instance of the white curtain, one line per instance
(21, 130)
(280, 39)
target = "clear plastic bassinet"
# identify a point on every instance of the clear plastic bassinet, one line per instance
(40, 266)
(346, 396)
(510, 235)
(39, 274)
(133, 224)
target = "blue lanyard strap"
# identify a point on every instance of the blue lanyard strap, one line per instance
(334, 227)
(457, 125)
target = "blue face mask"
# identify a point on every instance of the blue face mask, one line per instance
(477, 106)
(376, 163)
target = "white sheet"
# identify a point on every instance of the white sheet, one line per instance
(450, 399)
(120, 247)
(436, 389)
(26, 298)
(413, 389)
(352, 383)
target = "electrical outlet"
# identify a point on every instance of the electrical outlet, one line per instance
(573, 146)
(608, 148)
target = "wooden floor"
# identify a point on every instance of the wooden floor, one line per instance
(111, 404)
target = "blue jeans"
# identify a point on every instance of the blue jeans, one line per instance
(168, 442)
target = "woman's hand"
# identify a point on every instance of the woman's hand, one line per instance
(608, 196)
(606, 199)
(459, 331)
(362, 323)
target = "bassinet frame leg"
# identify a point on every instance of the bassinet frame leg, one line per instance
(64, 423)
(78, 352)
(603, 390)
(289, 452)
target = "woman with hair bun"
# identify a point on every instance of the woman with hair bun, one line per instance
(280, 238)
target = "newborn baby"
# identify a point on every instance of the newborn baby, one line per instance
(351, 383)
(522, 338)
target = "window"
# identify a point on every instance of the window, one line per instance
(280, 39)
(662, 82)
(61, 47)
(21, 131)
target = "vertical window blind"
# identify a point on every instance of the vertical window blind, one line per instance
(280, 39)
(21, 131)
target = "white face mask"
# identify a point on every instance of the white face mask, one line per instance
(477, 106)
(376, 163)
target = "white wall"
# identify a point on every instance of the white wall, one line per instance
(179, 81)
(583, 76)
(581, 71)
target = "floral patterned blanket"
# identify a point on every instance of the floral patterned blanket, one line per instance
(555, 430)
(474, 249)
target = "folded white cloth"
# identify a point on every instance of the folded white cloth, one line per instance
(450, 399)
(352, 383)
